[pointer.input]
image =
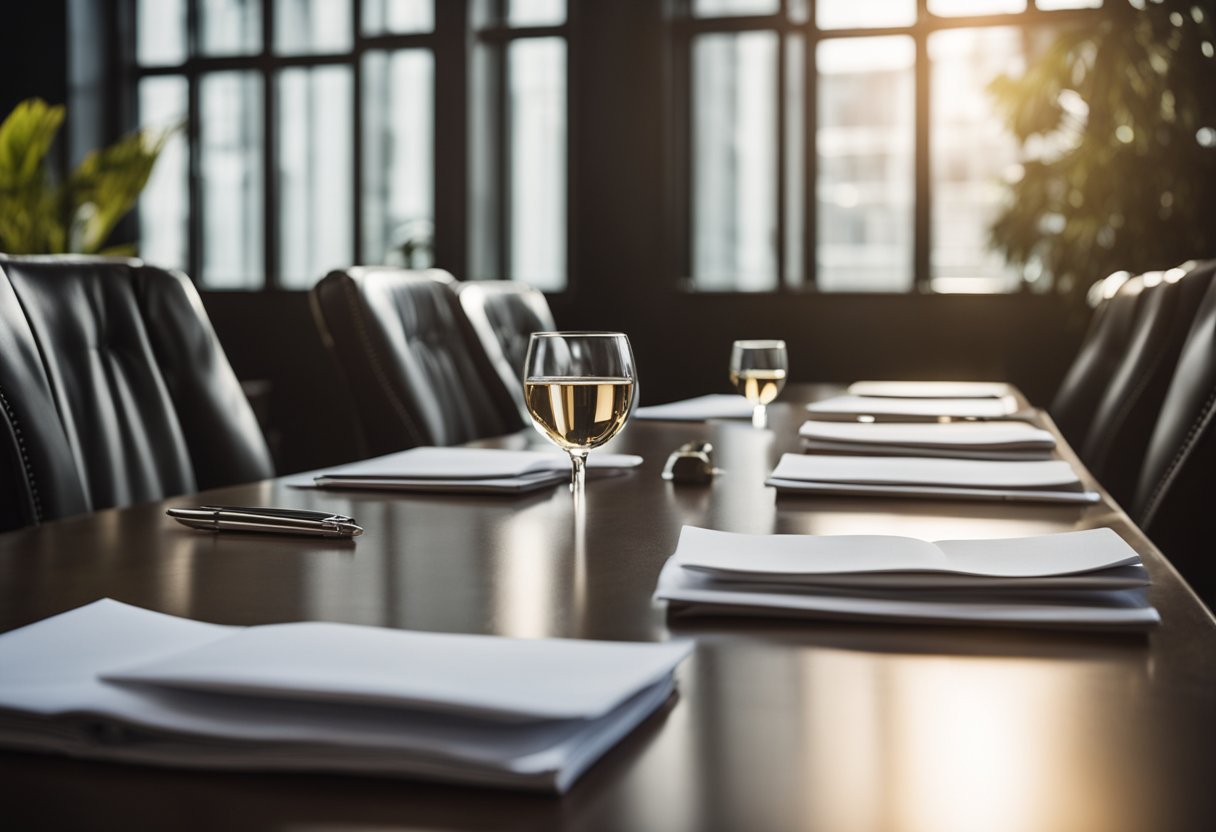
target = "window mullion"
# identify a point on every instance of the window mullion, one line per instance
(922, 232)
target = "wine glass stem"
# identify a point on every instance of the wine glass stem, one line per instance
(759, 417)
(578, 479)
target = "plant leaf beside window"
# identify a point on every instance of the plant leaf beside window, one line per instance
(1117, 122)
(39, 215)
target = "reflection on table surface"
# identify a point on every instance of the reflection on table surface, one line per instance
(777, 725)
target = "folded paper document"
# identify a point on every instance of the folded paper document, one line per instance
(461, 470)
(1045, 480)
(1083, 579)
(700, 409)
(956, 440)
(930, 389)
(911, 410)
(111, 681)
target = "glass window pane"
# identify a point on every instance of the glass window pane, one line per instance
(1051, 5)
(160, 32)
(382, 17)
(537, 111)
(398, 130)
(725, 8)
(230, 27)
(315, 168)
(164, 205)
(968, 8)
(971, 153)
(734, 211)
(230, 151)
(866, 164)
(312, 26)
(848, 14)
(536, 12)
(795, 159)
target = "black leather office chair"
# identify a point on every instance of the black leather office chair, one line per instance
(1106, 339)
(113, 390)
(1176, 493)
(1123, 420)
(417, 373)
(504, 314)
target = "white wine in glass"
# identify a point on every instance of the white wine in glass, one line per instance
(757, 371)
(578, 387)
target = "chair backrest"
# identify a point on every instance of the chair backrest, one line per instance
(1177, 486)
(1080, 392)
(504, 314)
(417, 373)
(1127, 410)
(114, 390)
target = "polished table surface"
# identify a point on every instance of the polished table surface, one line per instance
(777, 726)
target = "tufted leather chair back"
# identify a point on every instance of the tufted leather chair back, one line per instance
(504, 314)
(1085, 382)
(1176, 492)
(417, 373)
(1127, 410)
(114, 390)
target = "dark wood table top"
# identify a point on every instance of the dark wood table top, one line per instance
(778, 726)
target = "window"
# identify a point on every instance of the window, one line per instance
(519, 175)
(849, 146)
(311, 139)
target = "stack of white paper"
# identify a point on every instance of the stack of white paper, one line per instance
(956, 440)
(929, 389)
(115, 682)
(461, 470)
(1073, 579)
(851, 408)
(1047, 480)
(700, 409)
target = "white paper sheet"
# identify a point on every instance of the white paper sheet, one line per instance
(483, 676)
(691, 593)
(850, 407)
(457, 465)
(930, 389)
(1050, 474)
(996, 435)
(809, 556)
(52, 698)
(700, 409)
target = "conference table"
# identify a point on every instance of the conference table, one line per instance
(777, 725)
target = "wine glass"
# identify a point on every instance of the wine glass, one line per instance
(757, 371)
(578, 387)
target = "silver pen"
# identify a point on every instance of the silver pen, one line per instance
(271, 520)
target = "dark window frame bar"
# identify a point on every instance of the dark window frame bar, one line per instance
(684, 27)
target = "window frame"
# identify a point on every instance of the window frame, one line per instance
(492, 36)
(445, 42)
(684, 27)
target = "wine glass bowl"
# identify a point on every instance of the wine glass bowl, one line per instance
(757, 372)
(579, 389)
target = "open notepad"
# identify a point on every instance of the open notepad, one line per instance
(111, 681)
(956, 440)
(1049, 480)
(911, 409)
(462, 470)
(1086, 578)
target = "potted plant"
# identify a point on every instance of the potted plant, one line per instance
(1117, 122)
(41, 215)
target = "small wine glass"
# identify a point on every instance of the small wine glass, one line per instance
(579, 389)
(757, 371)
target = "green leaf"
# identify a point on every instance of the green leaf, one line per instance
(25, 138)
(107, 185)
